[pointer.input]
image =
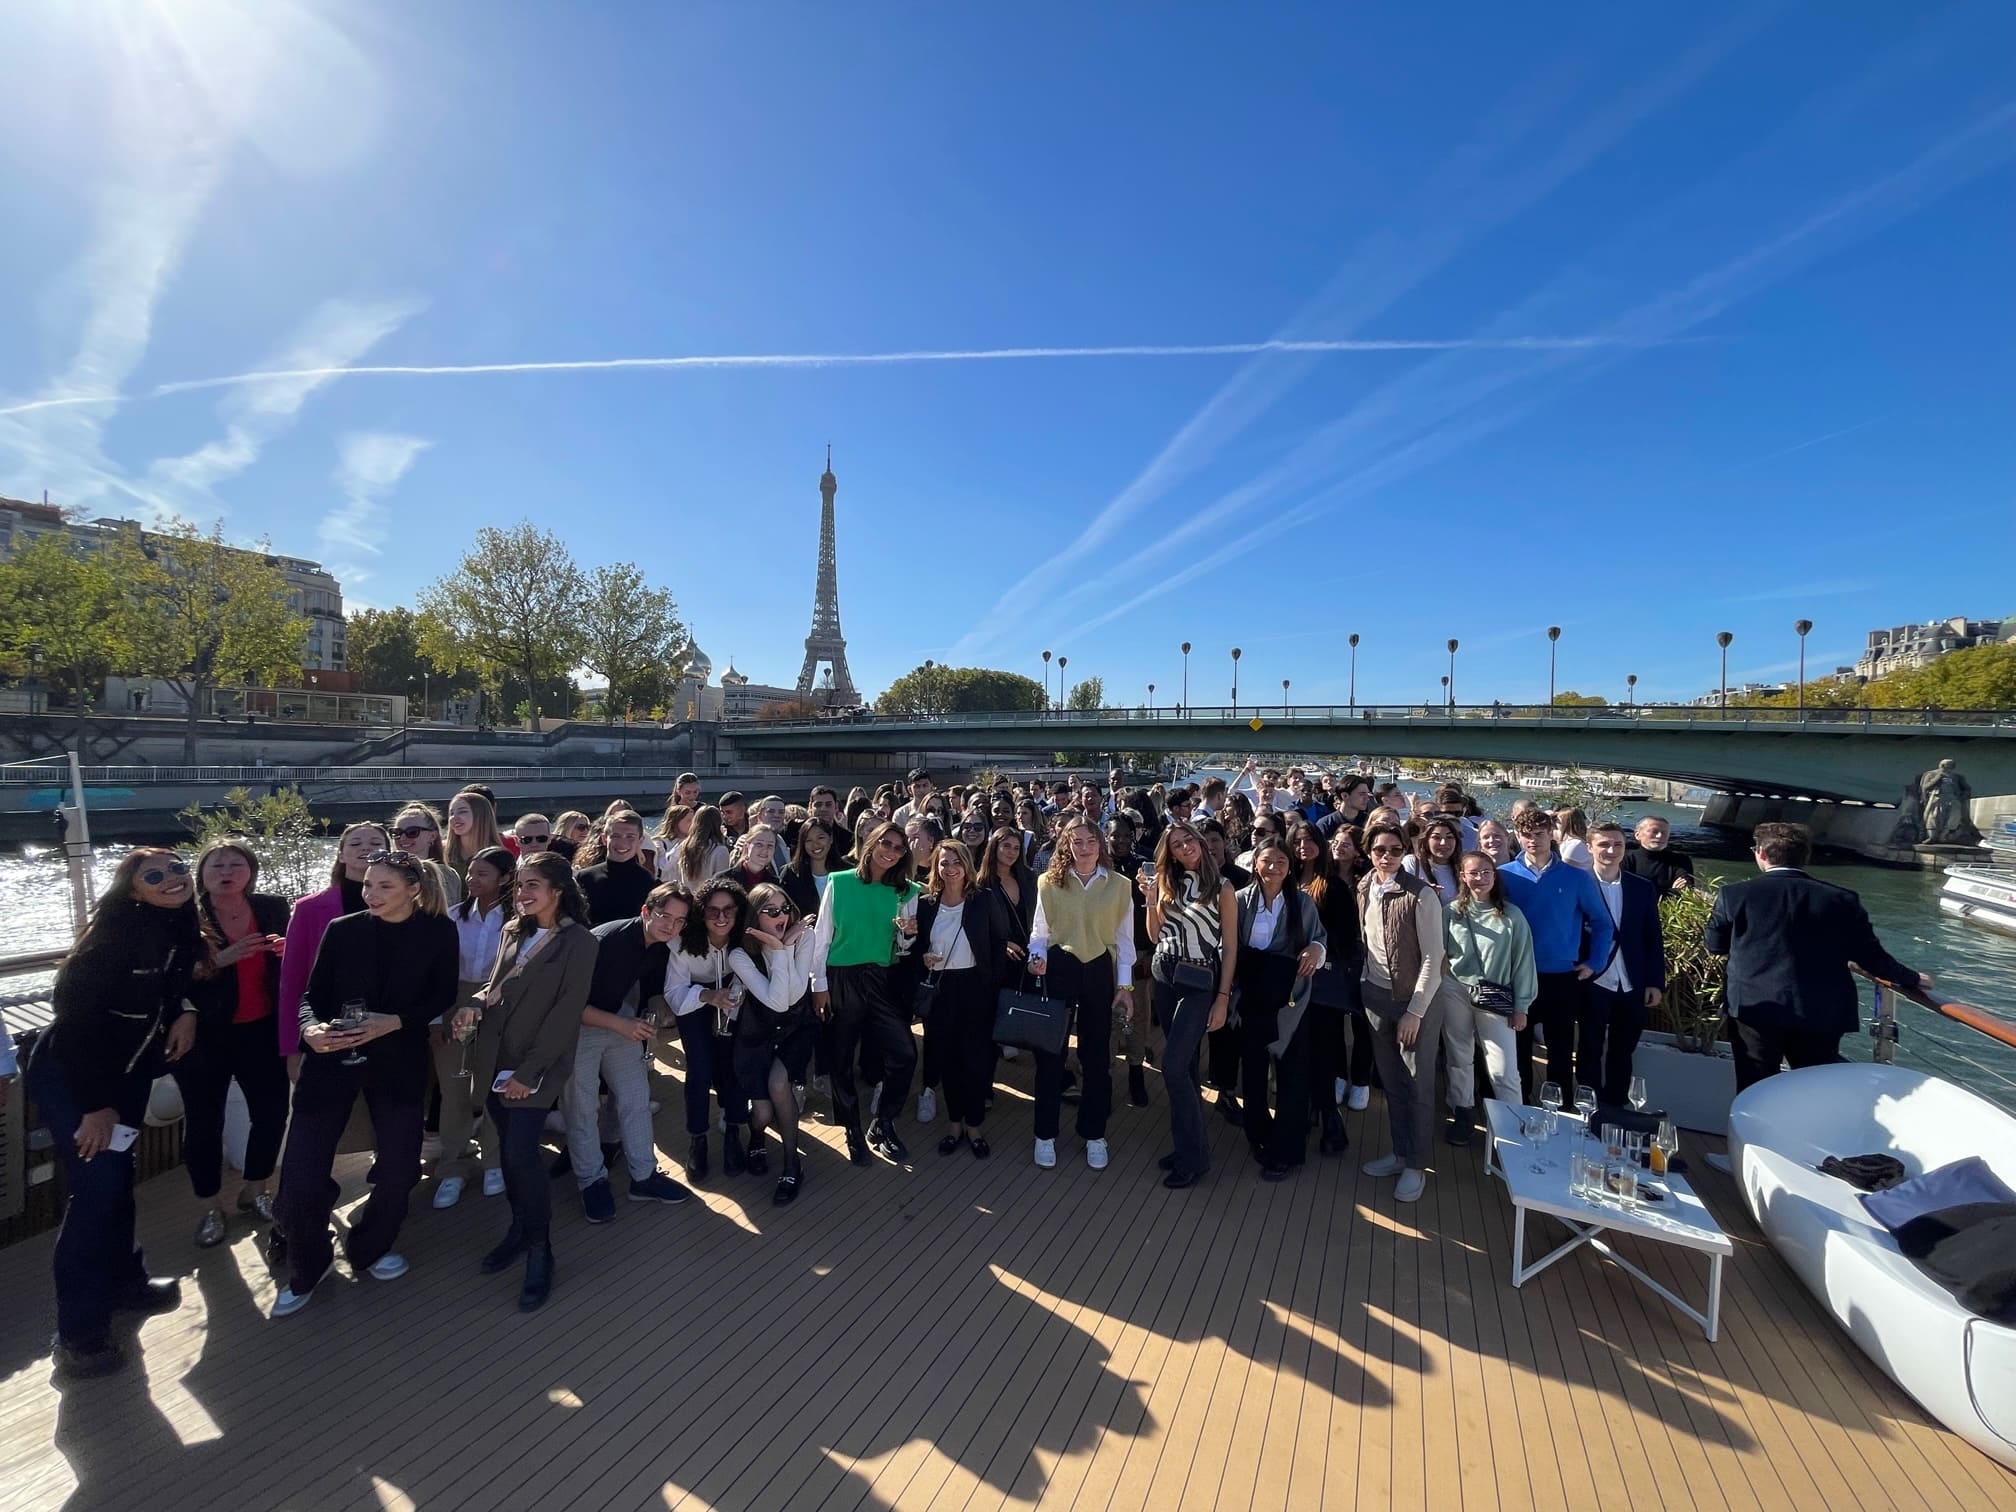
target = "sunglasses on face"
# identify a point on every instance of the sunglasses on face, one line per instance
(415, 831)
(889, 843)
(773, 911)
(154, 876)
(535, 839)
(1387, 850)
(716, 911)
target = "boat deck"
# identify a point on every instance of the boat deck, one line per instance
(960, 1334)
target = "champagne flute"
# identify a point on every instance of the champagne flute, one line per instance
(354, 1015)
(1585, 1104)
(1637, 1094)
(649, 1018)
(466, 1037)
(1665, 1144)
(1550, 1096)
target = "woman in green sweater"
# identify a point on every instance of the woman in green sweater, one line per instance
(854, 946)
(1491, 961)
(1082, 944)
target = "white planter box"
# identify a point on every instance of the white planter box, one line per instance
(1695, 1090)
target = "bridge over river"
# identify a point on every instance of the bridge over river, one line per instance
(1860, 755)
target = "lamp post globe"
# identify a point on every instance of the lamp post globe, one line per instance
(1722, 639)
(1802, 628)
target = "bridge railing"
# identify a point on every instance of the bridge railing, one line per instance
(26, 774)
(1609, 716)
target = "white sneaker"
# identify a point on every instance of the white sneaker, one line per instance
(1046, 1153)
(449, 1192)
(1385, 1165)
(493, 1183)
(388, 1268)
(1009, 1052)
(1410, 1186)
(290, 1302)
(1095, 1154)
(927, 1106)
(1360, 1099)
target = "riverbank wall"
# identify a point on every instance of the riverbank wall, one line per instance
(1862, 829)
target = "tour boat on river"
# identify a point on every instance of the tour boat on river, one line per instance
(1985, 894)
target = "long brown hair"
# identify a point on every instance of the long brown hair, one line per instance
(1325, 869)
(115, 906)
(1167, 867)
(384, 843)
(483, 814)
(959, 852)
(706, 833)
(1464, 898)
(558, 875)
(1060, 859)
(898, 875)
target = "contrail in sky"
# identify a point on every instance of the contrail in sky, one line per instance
(845, 359)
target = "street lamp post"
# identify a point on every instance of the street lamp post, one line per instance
(1450, 680)
(1447, 700)
(1061, 663)
(1284, 698)
(1553, 638)
(1186, 674)
(1151, 698)
(1235, 682)
(1354, 669)
(1801, 627)
(1046, 682)
(1631, 689)
(1722, 639)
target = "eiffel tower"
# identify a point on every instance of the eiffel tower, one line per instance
(826, 643)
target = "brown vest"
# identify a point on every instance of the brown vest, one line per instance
(1403, 939)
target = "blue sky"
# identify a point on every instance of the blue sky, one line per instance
(1646, 322)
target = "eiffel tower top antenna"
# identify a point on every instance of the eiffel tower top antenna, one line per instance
(825, 643)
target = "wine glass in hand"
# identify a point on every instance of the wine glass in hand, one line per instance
(353, 1016)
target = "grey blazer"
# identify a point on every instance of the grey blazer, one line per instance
(533, 1030)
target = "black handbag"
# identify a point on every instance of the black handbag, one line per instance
(1493, 997)
(1032, 1020)
(922, 996)
(1333, 987)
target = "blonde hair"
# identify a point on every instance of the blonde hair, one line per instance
(483, 832)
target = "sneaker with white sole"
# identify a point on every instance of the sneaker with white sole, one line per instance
(388, 1267)
(1410, 1186)
(927, 1106)
(1095, 1154)
(493, 1183)
(1046, 1153)
(1359, 1100)
(290, 1301)
(449, 1192)
(1385, 1165)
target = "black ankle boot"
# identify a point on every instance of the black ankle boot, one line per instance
(538, 1279)
(733, 1160)
(512, 1247)
(1461, 1122)
(883, 1137)
(1335, 1140)
(696, 1159)
(857, 1147)
(758, 1161)
(1137, 1086)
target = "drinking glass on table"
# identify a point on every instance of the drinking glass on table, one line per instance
(1550, 1096)
(1637, 1093)
(1613, 1141)
(1539, 1127)
(1585, 1104)
(353, 1016)
(1665, 1145)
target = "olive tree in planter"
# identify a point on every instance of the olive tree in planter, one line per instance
(1683, 1058)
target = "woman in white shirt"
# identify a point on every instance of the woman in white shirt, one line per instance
(479, 925)
(1436, 852)
(704, 988)
(1571, 837)
(774, 1027)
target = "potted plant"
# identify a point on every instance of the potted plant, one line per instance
(1683, 1058)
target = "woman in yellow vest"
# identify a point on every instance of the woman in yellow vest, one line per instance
(1082, 944)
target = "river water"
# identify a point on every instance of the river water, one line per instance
(1969, 964)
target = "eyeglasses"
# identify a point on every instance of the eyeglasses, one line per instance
(398, 860)
(154, 876)
(415, 831)
(719, 911)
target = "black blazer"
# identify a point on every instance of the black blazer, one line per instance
(802, 888)
(216, 996)
(988, 925)
(412, 968)
(1637, 936)
(1789, 938)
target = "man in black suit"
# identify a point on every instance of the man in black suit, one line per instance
(1789, 938)
(1632, 982)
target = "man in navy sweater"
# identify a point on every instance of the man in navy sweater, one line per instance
(1571, 942)
(1633, 980)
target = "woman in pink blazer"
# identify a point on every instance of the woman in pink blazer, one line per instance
(311, 916)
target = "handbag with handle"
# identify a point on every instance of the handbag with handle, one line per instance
(1032, 1020)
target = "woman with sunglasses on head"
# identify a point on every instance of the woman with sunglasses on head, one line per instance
(416, 831)
(774, 1026)
(526, 1021)
(472, 829)
(1281, 948)
(854, 948)
(703, 991)
(1400, 918)
(116, 998)
(479, 921)
(237, 995)
(966, 941)
(380, 977)
(1193, 916)
(1082, 945)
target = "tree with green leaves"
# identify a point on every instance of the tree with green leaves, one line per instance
(932, 689)
(383, 653)
(1088, 695)
(1573, 700)
(201, 614)
(632, 636)
(62, 617)
(511, 606)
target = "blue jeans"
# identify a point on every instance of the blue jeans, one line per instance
(98, 1265)
(1184, 1016)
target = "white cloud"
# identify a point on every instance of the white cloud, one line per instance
(369, 466)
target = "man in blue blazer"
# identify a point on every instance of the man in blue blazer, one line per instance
(1632, 981)
(1789, 938)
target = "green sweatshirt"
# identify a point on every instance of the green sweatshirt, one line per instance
(1487, 946)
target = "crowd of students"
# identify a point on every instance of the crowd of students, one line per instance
(1279, 941)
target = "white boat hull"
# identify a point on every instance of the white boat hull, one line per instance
(1960, 1368)
(1984, 895)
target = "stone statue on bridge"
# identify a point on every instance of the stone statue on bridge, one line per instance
(1943, 799)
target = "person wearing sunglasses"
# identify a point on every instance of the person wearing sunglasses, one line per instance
(533, 834)
(701, 985)
(396, 965)
(570, 832)
(417, 830)
(855, 946)
(774, 1028)
(116, 997)
(1400, 920)
(967, 941)
(237, 995)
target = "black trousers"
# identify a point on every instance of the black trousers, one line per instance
(527, 1188)
(1281, 1136)
(1611, 1025)
(98, 1263)
(323, 1099)
(869, 1028)
(1088, 987)
(710, 1068)
(959, 1041)
(250, 1055)
(1762, 1052)
(1363, 1070)
(1330, 1047)
(1558, 1010)
(1222, 1052)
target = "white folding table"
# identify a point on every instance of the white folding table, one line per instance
(1682, 1219)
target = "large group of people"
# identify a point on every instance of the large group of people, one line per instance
(1283, 942)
